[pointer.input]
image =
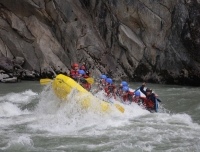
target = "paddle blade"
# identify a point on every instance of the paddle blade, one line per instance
(136, 89)
(45, 81)
(120, 108)
(90, 80)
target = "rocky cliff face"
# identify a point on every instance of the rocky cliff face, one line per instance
(143, 40)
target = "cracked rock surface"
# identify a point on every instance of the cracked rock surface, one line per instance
(140, 40)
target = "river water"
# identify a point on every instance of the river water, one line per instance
(33, 119)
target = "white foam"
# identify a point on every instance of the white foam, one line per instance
(68, 117)
(8, 109)
(71, 114)
(19, 142)
(25, 140)
(22, 97)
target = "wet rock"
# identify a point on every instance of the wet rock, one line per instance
(18, 61)
(3, 76)
(12, 71)
(6, 64)
(10, 80)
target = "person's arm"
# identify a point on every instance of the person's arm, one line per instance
(153, 97)
(124, 97)
(114, 89)
(142, 89)
(106, 89)
(71, 73)
(82, 80)
(159, 100)
(68, 73)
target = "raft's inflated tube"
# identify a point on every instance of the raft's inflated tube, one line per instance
(62, 86)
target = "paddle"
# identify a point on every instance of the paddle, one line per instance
(90, 80)
(45, 81)
(119, 107)
(136, 89)
(118, 96)
(156, 106)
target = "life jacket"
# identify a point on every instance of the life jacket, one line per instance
(119, 91)
(140, 101)
(84, 83)
(136, 100)
(109, 89)
(151, 97)
(87, 86)
(148, 102)
(85, 76)
(74, 74)
(83, 67)
(128, 96)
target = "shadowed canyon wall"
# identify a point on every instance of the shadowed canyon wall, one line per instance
(142, 40)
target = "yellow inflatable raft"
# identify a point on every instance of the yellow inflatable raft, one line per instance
(62, 86)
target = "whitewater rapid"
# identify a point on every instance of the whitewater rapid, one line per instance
(39, 121)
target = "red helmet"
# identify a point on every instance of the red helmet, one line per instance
(75, 65)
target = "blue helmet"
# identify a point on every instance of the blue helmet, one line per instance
(81, 72)
(137, 93)
(103, 76)
(124, 83)
(125, 88)
(109, 80)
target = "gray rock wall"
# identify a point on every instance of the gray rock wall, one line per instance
(142, 40)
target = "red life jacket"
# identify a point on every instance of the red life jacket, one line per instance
(128, 96)
(109, 89)
(87, 86)
(85, 76)
(136, 100)
(74, 74)
(84, 83)
(149, 103)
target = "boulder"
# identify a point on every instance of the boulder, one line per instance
(6, 64)
(10, 80)
(3, 76)
(18, 61)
